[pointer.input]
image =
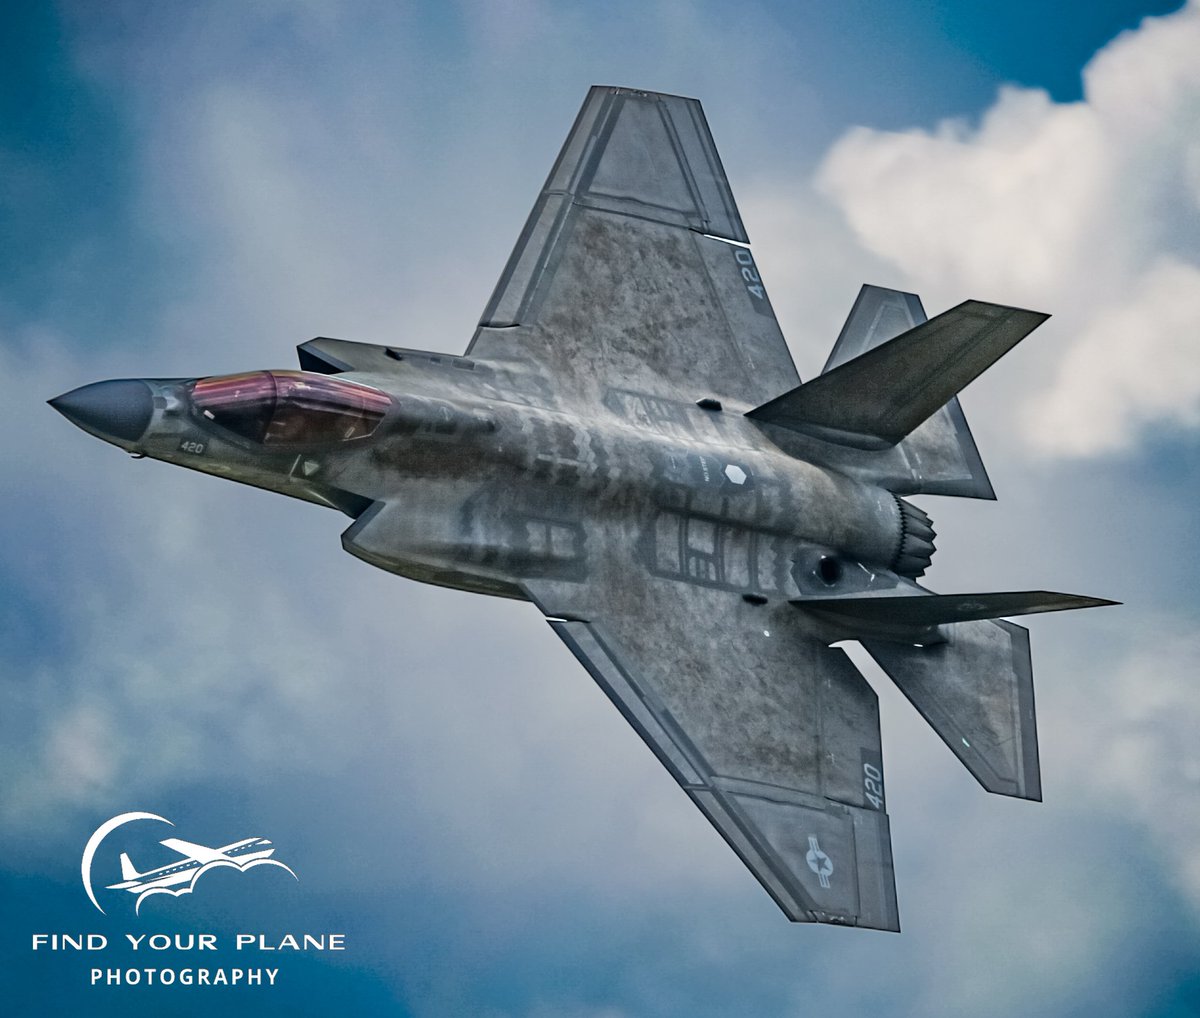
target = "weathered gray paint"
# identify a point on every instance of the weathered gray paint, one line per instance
(595, 452)
(975, 688)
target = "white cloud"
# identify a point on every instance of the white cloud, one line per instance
(1135, 755)
(1077, 208)
(1138, 364)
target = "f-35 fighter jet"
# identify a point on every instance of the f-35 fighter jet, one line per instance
(626, 444)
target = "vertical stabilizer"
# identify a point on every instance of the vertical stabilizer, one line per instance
(976, 692)
(127, 870)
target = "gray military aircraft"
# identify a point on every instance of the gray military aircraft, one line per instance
(626, 444)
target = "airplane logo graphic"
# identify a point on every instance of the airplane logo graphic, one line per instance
(179, 877)
(195, 857)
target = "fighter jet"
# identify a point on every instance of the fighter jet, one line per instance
(195, 856)
(626, 444)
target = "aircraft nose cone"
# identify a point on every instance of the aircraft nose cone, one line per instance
(119, 409)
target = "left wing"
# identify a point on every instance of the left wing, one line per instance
(617, 280)
(774, 736)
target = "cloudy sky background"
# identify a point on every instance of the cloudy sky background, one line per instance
(195, 189)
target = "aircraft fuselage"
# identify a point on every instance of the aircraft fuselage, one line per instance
(467, 483)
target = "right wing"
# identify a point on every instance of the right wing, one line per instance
(774, 736)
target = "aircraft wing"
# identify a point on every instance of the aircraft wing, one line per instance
(617, 282)
(773, 735)
(201, 853)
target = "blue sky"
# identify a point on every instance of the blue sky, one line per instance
(196, 189)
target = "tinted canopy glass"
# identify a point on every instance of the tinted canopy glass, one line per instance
(290, 407)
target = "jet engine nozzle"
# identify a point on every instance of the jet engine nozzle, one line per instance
(915, 550)
(117, 411)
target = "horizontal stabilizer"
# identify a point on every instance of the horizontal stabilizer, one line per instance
(874, 400)
(939, 609)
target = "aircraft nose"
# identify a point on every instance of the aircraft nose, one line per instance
(118, 409)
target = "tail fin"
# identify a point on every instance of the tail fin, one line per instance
(976, 691)
(127, 870)
(892, 379)
(971, 679)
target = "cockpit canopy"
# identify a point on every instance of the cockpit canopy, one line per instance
(282, 408)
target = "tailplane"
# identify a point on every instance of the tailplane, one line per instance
(967, 672)
(892, 381)
(941, 609)
(976, 691)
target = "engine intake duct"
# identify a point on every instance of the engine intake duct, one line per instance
(915, 550)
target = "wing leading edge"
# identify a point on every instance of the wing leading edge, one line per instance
(774, 736)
